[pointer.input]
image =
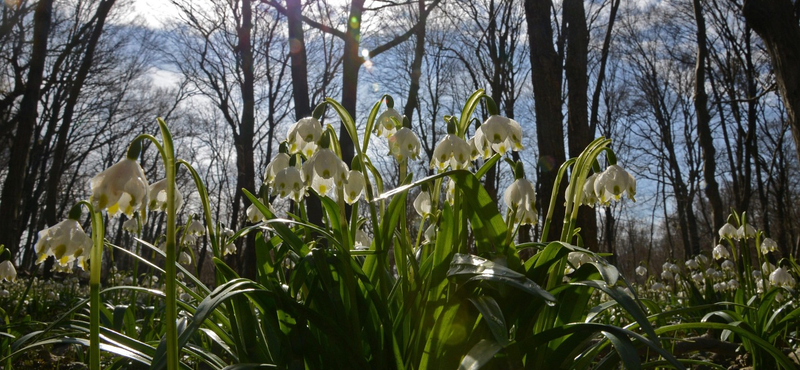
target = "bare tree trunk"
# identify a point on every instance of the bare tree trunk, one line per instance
(244, 145)
(601, 73)
(12, 194)
(576, 66)
(416, 66)
(60, 151)
(546, 77)
(302, 104)
(351, 63)
(776, 23)
(704, 119)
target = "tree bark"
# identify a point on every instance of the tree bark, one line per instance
(412, 101)
(546, 78)
(703, 121)
(244, 145)
(12, 194)
(59, 154)
(302, 104)
(351, 63)
(775, 22)
(576, 66)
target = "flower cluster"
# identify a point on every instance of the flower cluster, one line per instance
(613, 183)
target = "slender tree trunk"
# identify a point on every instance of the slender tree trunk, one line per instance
(302, 104)
(416, 66)
(775, 22)
(351, 63)
(546, 78)
(245, 160)
(60, 151)
(576, 66)
(12, 194)
(703, 121)
(601, 73)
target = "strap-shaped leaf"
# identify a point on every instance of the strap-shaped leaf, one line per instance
(466, 267)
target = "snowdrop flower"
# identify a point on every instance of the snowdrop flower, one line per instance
(781, 277)
(5, 294)
(196, 228)
(289, 183)
(756, 274)
(451, 151)
(502, 132)
(589, 196)
(479, 147)
(710, 271)
(728, 265)
(303, 136)
(451, 192)
(701, 259)
(354, 187)
(613, 182)
(66, 241)
(727, 231)
(7, 271)
(277, 164)
(697, 277)
(385, 126)
(641, 270)
(720, 251)
(254, 215)
(131, 225)
(667, 275)
(230, 248)
(767, 267)
(184, 258)
(404, 144)
(745, 231)
(121, 188)
(692, 264)
(430, 233)
(328, 165)
(157, 196)
(51, 296)
(188, 239)
(520, 198)
(422, 204)
(228, 232)
(733, 284)
(579, 258)
(768, 245)
(657, 287)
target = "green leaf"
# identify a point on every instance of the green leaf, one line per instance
(466, 267)
(480, 354)
(493, 317)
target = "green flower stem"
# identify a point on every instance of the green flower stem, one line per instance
(168, 156)
(578, 178)
(167, 152)
(95, 267)
(554, 197)
(201, 189)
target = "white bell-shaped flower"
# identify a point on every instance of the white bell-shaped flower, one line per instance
(727, 231)
(503, 133)
(66, 241)
(157, 196)
(120, 188)
(692, 264)
(184, 258)
(404, 144)
(354, 187)
(701, 259)
(328, 165)
(230, 248)
(385, 126)
(781, 277)
(577, 259)
(422, 204)
(451, 151)
(276, 165)
(7, 271)
(289, 183)
(728, 265)
(746, 231)
(613, 183)
(254, 215)
(131, 225)
(768, 245)
(520, 198)
(720, 252)
(196, 228)
(303, 136)
(589, 196)
(479, 147)
(641, 270)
